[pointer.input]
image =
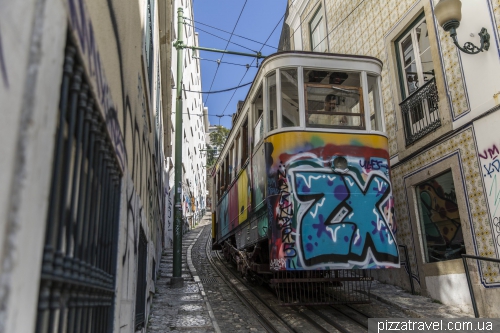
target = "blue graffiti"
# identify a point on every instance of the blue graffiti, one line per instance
(374, 164)
(343, 222)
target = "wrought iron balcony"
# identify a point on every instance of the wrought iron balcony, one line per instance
(420, 112)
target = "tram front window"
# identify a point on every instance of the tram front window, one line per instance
(333, 99)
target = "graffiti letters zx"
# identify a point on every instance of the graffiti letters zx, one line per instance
(343, 222)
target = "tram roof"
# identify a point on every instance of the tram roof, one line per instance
(320, 54)
(302, 55)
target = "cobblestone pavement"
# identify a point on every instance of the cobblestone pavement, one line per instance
(189, 309)
(231, 314)
(206, 304)
(180, 309)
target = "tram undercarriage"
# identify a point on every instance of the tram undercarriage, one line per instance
(314, 287)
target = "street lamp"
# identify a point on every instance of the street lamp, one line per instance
(448, 14)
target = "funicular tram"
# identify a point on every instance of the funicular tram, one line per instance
(302, 190)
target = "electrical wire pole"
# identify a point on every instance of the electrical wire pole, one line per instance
(177, 281)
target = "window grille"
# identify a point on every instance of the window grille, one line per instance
(79, 259)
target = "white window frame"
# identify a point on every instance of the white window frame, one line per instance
(317, 27)
(418, 124)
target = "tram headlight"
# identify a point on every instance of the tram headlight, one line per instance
(339, 164)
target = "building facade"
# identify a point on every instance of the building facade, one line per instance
(85, 135)
(195, 125)
(441, 108)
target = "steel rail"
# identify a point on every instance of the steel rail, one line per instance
(267, 324)
(310, 320)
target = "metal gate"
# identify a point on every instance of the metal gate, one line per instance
(78, 269)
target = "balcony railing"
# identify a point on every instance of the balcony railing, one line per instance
(420, 112)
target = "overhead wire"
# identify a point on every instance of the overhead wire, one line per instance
(298, 28)
(222, 38)
(217, 70)
(252, 40)
(270, 35)
(313, 9)
(218, 91)
(345, 18)
(218, 61)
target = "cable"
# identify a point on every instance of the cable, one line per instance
(345, 18)
(224, 62)
(302, 21)
(272, 32)
(252, 40)
(217, 70)
(222, 38)
(203, 114)
(218, 91)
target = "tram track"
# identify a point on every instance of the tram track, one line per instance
(305, 318)
(269, 323)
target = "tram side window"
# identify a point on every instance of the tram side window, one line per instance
(238, 152)
(244, 142)
(289, 97)
(257, 107)
(375, 103)
(333, 99)
(226, 173)
(221, 180)
(217, 186)
(273, 102)
(231, 163)
(235, 158)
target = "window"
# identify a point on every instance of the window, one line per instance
(440, 219)
(238, 151)
(317, 30)
(415, 60)
(226, 172)
(244, 142)
(272, 102)
(375, 103)
(71, 175)
(333, 99)
(417, 84)
(289, 98)
(257, 110)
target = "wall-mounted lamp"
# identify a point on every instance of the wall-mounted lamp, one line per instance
(448, 14)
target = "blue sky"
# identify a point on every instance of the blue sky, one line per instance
(257, 21)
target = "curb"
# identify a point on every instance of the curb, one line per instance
(196, 278)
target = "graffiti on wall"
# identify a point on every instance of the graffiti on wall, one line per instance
(83, 28)
(284, 214)
(490, 165)
(3, 69)
(169, 211)
(325, 218)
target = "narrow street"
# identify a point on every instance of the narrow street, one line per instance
(347, 152)
(207, 303)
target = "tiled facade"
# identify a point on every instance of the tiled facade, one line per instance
(370, 27)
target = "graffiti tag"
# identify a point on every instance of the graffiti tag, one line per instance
(277, 264)
(84, 30)
(285, 215)
(496, 224)
(343, 222)
(3, 69)
(373, 164)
